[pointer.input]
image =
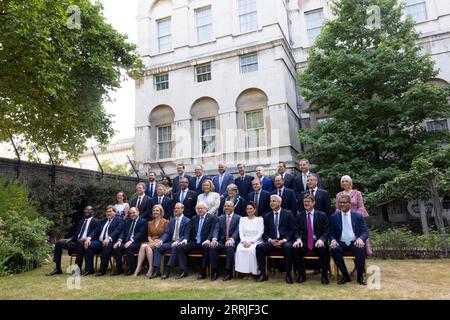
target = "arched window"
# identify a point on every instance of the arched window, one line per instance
(161, 121)
(205, 126)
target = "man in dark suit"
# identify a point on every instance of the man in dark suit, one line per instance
(225, 238)
(198, 179)
(202, 227)
(177, 234)
(150, 189)
(222, 180)
(321, 196)
(287, 177)
(279, 227)
(311, 234)
(288, 196)
(348, 232)
(164, 201)
(133, 234)
(187, 197)
(300, 184)
(260, 197)
(243, 182)
(86, 231)
(266, 182)
(181, 174)
(109, 231)
(142, 202)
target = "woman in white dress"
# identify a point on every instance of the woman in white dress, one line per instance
(122, 207)
(211, 198)
(251, 229)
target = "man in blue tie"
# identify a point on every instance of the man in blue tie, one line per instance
(187, 197)
(202, 227)
(348, 233)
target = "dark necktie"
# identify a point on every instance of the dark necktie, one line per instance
(257, 199)
(228, 227)
(83, 228)
(131, 230)
(277, 223)
(312, 192)
(151, 190)
(138, 202)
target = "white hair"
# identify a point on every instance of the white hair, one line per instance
(276, 197)
(348, 178)
(201, 204)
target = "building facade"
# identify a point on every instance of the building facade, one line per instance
(221, 79)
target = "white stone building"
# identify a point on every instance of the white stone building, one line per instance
(221, 80)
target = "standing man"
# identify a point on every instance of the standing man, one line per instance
(348, 232)
(87, 231)
(321, 196)
(260, 197)
(187, 197)
(197, 181)
(181, 174)
(142, 202)
(243, 182)
(150, 190)
(222, 180)
(300, 184)
(164, 201)
(287, 177)
(266, 182)
(288, 195)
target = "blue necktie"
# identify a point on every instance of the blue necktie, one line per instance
(151, 190)
(277, 223)
(199, 232)
(345, 230)
(182, 196)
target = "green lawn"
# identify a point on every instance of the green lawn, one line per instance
(400, 279)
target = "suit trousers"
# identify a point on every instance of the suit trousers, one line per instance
(71, 246)
(360, 257)
(157, 254)
(214, 258)
(130, 251)
(299, 263)
(263, 249)
(184, 250)
(105, 254)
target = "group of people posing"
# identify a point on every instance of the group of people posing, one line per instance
(244, 218)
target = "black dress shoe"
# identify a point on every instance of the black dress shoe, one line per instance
(52, 273)
(300, 279)
(325, 280)
(262, 278)
(182, 275)
(165, 276)
(214, 276)
(155, 274)
(316, 271)
(288, 279)
(361, 281)
(117, 272)
(227, 277)
(99, 274)
(344, 279)
(201, 276)
(129, 273)
(87, 273)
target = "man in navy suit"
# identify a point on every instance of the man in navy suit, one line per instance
(202, 227)
(142, 202)
(133, 234)
(225, 238)
(260, 197)
(243, 182)
(177, 233)
(187, 197)
(86, 231)
(348, 232)
(321, 196)
(150, 189)
(311, 234)
(279, 227)
(222, 180)
(109, 231)
(266, 182)
(287, 177)
(300, 184)
(198, 179)
(181, 174)
(288, 195)
(164, 201)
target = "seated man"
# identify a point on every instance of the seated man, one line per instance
(348, 232)
(177, 233)
(311, 232)
(86, 231)
(110, 229)
(202, 227)
(133, 234)
(225, 238)
(278, 235)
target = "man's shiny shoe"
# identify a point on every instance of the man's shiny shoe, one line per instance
(165, 276)
(117, 273)
(87, 273)
(214, 276)
(52, 273)
(344, 279)
(262, 278)
(99, 274)
(301, 279)
(182, 275)
(361, 281)
(227, 277)
(201, 276)
(288, 279)
(325, 280)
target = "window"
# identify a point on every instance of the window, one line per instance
(203, 72)
(164, 142)
(208, 135)
(164, 35)
(437, 125)
(203, 18)
(162, 81)
(314, 22)
(247, 15)
(249, 63)
(417, 9)
(255, 129)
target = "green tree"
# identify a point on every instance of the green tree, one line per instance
(56, 71)
(124, 169)
(372, 81)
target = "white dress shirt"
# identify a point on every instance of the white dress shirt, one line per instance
(347, 216)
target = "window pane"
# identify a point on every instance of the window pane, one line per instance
(246, 6)
(314, 22)
(208, 135)
(417, 9)
(203, 73)
(164, 35)
(247, 15)
(204, 24)
(249, 63)
(438, 125)
(162, 81)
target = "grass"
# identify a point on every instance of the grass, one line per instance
(400, 279)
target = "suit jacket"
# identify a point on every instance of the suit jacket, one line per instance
(220, 231)
(358, 225)
(147, 190)
(239, 207)
(267, 184)
(176, 183)
(244, 186)
(194, 181)
(167, 205)
(320, 227)
(114, 230)
(288, 180)
(92, 231)
(289, 200)
(190, 201)
(156, 232)
(207, 229)
(184, 229)
(226, 181)
(323, 202)
(264, 202)
(145, 208)
(286, 226)
(298, 183)
(140, 231)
